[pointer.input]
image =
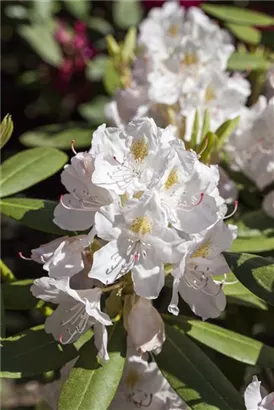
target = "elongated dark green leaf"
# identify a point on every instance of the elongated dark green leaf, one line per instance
(240, 61)
(41, 38)
(34, 213)
(237, 293)
(247, 34)
(94, 111)
(2, 317)
(91, 385)
(29, 167)
(194, 377)
(254, 272)
(79, 8)
(255, 223)
(6, 129)
(253, 244)
(231, 344)
(17, 295)
(58, 136)
(33, 352)
(127, 13)
(100, 25)
(238, 15)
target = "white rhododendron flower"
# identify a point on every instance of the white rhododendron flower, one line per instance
(139, 241)
(77, 209)
(257, 398)
(77, 311)
(268, 204)
(144, 387)
(63, 256)
(252, 151)
(201, 259)
(145, 327)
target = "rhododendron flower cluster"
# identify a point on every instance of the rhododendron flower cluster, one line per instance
(149, 204)
(181, 68)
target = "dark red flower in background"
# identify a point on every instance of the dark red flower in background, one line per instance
(149, 4)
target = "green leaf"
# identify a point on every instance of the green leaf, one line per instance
(254, 272)
(96, 68)
(247, 34)
(207, 146)
(33, 352)
(41, 38)
(255, 223)
(231, 344)
(100, 25)
(34, 213)
(41, 10)
(94, 111)
(127, 13)
(111, 78)
(195, 130)
(194, 377)
(206, 124)
(257, 244)
(91, 385)
(58, 136)
(17, 295)
(238, 15)
(29, 167)
(3, 315)
(240, 61)
(129, 45)
(225, 130)
(6, 129)
(79, 8)
(237, 293)
(16, 12)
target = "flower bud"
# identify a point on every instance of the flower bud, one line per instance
(145, 327)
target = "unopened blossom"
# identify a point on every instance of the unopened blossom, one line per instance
(77, 311)
(144, 387)
(145, 327)
(268, 204)
(201, 259)
(64, 256)
(139, 241)
(257, 398)
(252, 151)
(76, 210)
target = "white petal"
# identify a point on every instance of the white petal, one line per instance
(206, 303)
(252, 395)
(148, 276)
(108, 263)
(101, 341)
(51, 290)
(72, 216)
(45, 251)
(104, 222)
(268, 402)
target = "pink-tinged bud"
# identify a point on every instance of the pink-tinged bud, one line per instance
(145, 327)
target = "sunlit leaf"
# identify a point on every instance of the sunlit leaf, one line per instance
(231, 344)
(96, 68)
(254, 272)
(78, 8)
(29, 167)
(58, 136)
(100, 25)
(111, 79)
(91, 385)
(247, 61)
(6, 129)
(247, 34)
(194, 377)
(238, 15)
(34, 352)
